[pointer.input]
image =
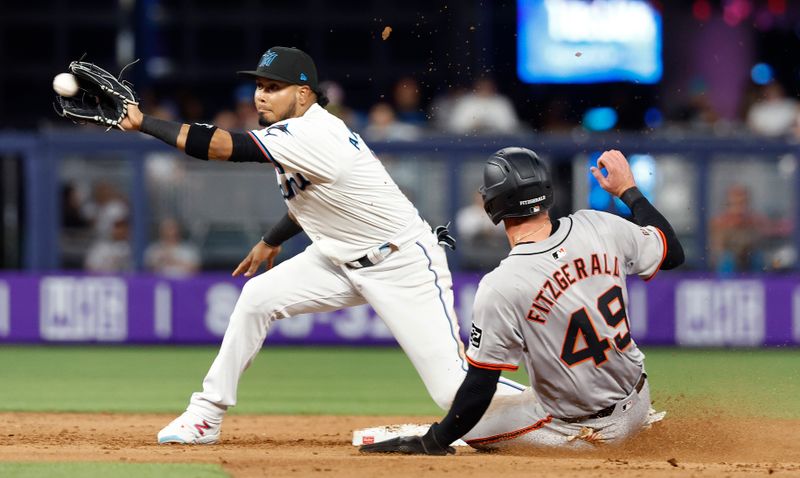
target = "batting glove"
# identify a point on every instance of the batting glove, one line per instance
(414, 445)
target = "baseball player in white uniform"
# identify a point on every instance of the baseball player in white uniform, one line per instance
(369, 243)
(558, 303)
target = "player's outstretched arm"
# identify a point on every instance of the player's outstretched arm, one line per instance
(201, 141)
(619, 182)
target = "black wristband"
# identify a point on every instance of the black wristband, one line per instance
(198, 140)
(280, 232)
(630, 196)
(166, 131)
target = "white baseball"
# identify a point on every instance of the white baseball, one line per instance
(65, 84)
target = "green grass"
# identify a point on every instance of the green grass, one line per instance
(755, 382)
(111, 470)
(161, 379)
(353, 381)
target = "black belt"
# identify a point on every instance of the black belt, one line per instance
(608, 410)
(373, 257)
(363, 261)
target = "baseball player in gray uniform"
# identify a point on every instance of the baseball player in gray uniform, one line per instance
(558, 303)
(370, 244)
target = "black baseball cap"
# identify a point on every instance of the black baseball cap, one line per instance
(285, 64)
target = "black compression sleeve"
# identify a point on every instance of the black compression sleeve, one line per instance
(245, 149)
(645, 214)
(166, 131)
(280, 232)
(471, 402)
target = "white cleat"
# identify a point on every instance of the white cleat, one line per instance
(190, 429)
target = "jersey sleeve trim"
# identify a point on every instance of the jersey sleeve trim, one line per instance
(663, 254)
(265, 151)
(492, 366)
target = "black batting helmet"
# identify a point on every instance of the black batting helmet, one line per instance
(516, 183)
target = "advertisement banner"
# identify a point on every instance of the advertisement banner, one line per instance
(672, 309)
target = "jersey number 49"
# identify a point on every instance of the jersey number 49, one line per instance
(581, 326)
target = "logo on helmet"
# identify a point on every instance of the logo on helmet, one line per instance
(532, 201)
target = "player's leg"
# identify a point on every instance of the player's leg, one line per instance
(306, 283)
(513, 420)
(630, 416)
(412, 292)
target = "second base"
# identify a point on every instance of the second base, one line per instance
(368, 436)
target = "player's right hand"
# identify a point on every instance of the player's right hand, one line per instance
(618, 177)
(258, 254)
(426, 444)
(133, 120)
(407, 446)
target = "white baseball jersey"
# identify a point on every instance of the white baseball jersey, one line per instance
(337, 190)
(560, 304)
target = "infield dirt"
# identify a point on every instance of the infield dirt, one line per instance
(319, 446)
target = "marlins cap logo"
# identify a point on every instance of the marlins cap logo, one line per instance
(268, 58)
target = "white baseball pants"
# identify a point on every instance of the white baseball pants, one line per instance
(411, 290)
(540, 430)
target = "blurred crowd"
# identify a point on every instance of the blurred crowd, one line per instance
(766, 110)
(95, 236)
(403, 117)
(740, 237)
(737, 236)
(408, 113)
(102, 222)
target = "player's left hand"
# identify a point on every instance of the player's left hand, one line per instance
(416, 445)
(133, 119)
(619, 177)
(258, 254)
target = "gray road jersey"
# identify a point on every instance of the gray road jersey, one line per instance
(561, 305)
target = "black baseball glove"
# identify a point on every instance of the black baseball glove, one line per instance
(444, 237)
(103, 99)
(417, 445)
